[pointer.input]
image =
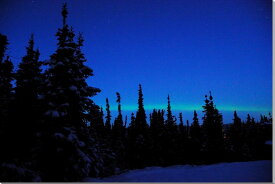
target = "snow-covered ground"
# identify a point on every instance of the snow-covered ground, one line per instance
(254, 171)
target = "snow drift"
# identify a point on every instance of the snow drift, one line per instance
(253, 171)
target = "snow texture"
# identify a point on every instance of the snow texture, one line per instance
(40, 97)
(54, 114)
(59, 135)
(81, 144)
(73, 88)
(21, 172)
(254, 171)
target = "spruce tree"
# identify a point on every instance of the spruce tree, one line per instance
(170, 120)
(154, 121)
(157, 135)
(138, 136)
(133, 119)
(97, 121)
(181, 141)
(252, 138)
(108, 117)
(187, 128)
(170, 132)
(237, 121)
(6, 78)
(196, 139)
(118, 124)
(6, 99)
(141, 124)
(118, 136)
(213, 131)
(236, 137)
(248, 120)
(27, 106)
(3, 46)
(66, 143)
(181, 126)
(195, 129)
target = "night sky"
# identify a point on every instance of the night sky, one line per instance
(179, 47)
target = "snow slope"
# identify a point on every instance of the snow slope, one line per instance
(254, 171)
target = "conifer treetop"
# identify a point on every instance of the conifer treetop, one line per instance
(169, 112)
(108, 108)
(140, 98)
(118, 101)
(195, 118)
(180, 116)
(3, 46)
(64, 14)
(30, 47)
(141, 116)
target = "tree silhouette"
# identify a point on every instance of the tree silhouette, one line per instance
(6, 77)
(141, 124)
(213, 131)
(6, 98)
(181, 126)
(157, 135)
(3, 46)
(118, 136)
(195, 129)
(170, 121)
(236, 136)
(170, 139)
(108, 117)
(118, 124)
(139, 136)
(195, 139)
(28, 105)
(68, 96)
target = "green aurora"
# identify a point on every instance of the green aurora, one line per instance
(194, 107)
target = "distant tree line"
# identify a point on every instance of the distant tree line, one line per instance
(51, 130)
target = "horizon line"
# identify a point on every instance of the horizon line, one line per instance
(191, 108)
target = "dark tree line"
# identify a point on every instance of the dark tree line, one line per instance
(51, 130)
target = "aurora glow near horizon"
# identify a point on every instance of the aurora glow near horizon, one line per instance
(192, 108)
(180, 48)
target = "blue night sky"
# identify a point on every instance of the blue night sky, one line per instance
(178, 47)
